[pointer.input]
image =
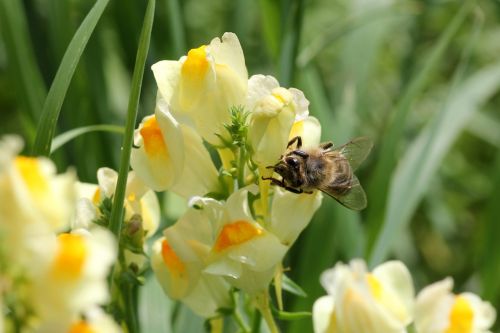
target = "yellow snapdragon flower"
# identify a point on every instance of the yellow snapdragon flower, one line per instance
(273, 112)
(360, 301)
(438, 310)
(205, 84)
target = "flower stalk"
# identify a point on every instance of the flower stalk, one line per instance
(262, 303)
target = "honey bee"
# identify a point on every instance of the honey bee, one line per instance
(326, 168)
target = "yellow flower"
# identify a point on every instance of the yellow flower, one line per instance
(291, 213)
(92, 320)
(359, 301)
(178, 260)
(242, 251)
(273, 111)
(172, 156)
(139, 199)
(205, 84)
(73, 278)
(438, 310)
(159, 158)
(35, 200)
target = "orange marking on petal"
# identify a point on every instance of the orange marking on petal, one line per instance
(236, 233)
(171, 259)
(196, 64)
(81, 327)
(461, 316)
(96, 198)
(70, 257)
(375, 286)
(153, 138)
(29, 168)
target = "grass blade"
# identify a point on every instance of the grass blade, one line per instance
(133, 106)
(378, 187)
(57, 92)
(25, 72)
(176, 27)
(290, 41)
(422, 159)
(271, 26)
(65, 137)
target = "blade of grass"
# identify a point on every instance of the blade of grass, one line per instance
(65, 137)
(486, 127)
(133, 106)
(27, 78)
(290, 41)
(57, 92)
(378, 187)
(424, 156)
(176, 27)
(271, 26)
(489, 255)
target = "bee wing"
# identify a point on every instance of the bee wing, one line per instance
(355, 151)
(354, 198)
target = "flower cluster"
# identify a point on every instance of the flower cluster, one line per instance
(212, 135)
(53, 277)
(383, 301)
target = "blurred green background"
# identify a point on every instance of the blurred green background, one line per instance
(421, 78)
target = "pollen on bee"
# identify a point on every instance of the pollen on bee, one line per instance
(236, 233)
(153, 138)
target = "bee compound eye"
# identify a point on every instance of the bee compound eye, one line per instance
(292, 161)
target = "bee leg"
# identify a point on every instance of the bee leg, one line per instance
(326, 145)
(293, 190)
(274, 181)
(280, 183)
(308, 192)
(297, 139)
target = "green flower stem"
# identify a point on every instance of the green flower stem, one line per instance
(241, 323)
(241, 167)
(262, 302)
(217, 325)
(133, 105)
(237, 316)
(257, 318)
(130, 308)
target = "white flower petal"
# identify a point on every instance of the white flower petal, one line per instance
(322, 314)
(291, 213)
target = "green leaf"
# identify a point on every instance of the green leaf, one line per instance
(133, 106)
(423, 158)
(65, 137)
(292, 287)
(57, 92)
